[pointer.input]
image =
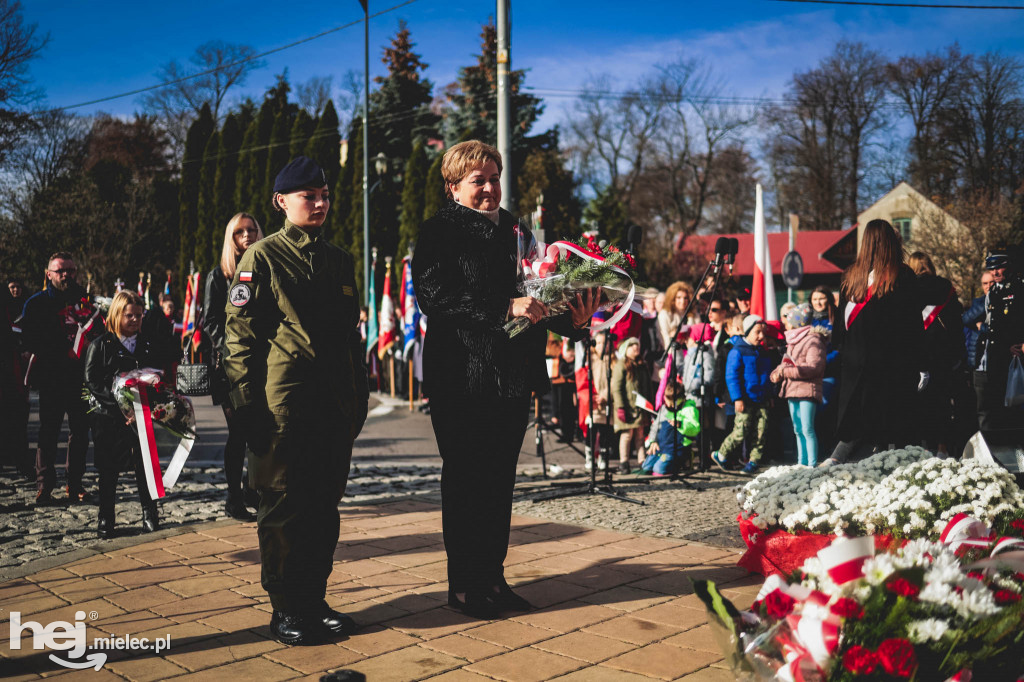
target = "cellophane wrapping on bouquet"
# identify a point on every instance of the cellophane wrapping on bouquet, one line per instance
(555, 273)
(168, 408)
(949, 611)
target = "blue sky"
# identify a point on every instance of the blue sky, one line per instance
(104, 47)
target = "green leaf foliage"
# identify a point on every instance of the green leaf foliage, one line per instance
(416, 169)
(188, 193)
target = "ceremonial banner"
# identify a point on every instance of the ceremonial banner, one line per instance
(388, 334)
(762, 293)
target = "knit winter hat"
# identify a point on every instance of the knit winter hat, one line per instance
(625, 345)
(800, 316)
(749, 321)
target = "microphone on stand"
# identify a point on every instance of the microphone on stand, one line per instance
(721, 251)
(732, 248)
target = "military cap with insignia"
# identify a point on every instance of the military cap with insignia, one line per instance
(300, 172)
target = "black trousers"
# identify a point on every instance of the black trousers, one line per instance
(298, 522)
(56, 400)
(479, 440)
(116, 449)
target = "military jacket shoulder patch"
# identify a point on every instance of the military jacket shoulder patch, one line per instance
(347, 290)
(245, 276)
(240, 295)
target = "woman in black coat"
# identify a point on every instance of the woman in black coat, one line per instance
(242, 232)
(882, 338)
(465, 274)
(115, 443)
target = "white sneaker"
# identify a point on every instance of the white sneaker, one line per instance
(601, 464)
(588, 464)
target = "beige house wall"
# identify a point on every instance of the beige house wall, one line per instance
(902, 202)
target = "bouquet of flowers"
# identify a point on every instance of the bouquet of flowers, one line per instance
(949, 611)
(167, 407)
(555, 273)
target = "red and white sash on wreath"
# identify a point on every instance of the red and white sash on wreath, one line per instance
(627, 305)
(930, 313)
(147, 442)
(853, 309)
(81, 336)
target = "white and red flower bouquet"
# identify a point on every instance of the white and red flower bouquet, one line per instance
(945, 611)
(161, 401)
(555, 273)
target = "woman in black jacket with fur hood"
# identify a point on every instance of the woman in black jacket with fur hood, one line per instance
(465, 274)
(116, 445)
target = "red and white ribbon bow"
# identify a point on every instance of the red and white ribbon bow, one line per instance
(963, 530)
(844, 559)
(157, 485)
(627, 305)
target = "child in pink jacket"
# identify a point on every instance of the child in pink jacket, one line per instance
(801, 374)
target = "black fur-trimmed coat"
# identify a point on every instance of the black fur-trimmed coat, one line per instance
(465, 275)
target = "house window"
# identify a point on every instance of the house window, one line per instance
(902, 226)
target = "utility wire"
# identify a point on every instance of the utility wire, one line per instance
(903, 4)
(232, 64)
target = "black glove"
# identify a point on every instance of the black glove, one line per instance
(256, 423)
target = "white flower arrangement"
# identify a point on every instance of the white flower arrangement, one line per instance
(906, 493)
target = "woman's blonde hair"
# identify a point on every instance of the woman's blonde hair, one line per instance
(229, 253)
(463, 158)
(122, 300)
(671, 293)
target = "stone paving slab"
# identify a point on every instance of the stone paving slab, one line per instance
(200, 585)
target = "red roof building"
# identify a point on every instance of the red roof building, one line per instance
(825, 254)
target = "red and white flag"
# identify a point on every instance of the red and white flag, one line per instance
(762, 293)
(645, 404)
(189, 321)
(388, 333)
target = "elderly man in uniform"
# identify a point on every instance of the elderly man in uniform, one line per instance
(300, 391)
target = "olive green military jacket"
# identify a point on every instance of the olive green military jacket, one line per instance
(292, 332)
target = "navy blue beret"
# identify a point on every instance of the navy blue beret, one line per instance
(300, 172)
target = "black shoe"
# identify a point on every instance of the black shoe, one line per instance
(507, 600)
(235, 508)
(337, 622)
(105, 527)
(296, 630)
(77, 495)
(250, 497)
(44, 498)
(476, 604)
(150, 518)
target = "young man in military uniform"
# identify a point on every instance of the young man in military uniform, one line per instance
(300, 390)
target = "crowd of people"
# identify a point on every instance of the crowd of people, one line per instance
(890, 359)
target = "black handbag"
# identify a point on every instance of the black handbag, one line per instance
(194, 378)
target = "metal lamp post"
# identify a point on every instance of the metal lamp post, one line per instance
(366, 148)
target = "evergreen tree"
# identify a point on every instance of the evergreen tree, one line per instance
(341, 194)
(544, 174)
(188, 189)
(474, 114)
(207, 205)
(400, 108)
(258, 203)
(433, 189)
(224, 184)
(277, 158)
(244, 176)
(412, 198)
(302, 132)
(352, 236)
(607, 213)
(324, 147)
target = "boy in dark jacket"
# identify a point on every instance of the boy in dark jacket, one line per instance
(747, 374)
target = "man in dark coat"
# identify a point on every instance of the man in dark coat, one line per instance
(58, 324)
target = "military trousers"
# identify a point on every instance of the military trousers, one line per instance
(298, 521)
(751, 427)
(479, 440)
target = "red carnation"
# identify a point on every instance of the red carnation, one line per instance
(778, 604)
(977, 575)
(630, 260)
(897, 657)
(1004, 597)
(859, 660)
(903, 588)
(1018, 524)
(847, 608)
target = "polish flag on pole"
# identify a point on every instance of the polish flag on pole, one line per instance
(388, 335)
(762, 293)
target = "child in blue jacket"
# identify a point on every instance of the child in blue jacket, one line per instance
(747, 373)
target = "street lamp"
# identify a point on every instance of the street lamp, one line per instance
(366, 154)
